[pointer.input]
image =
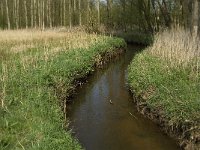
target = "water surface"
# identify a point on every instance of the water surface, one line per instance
(103, 115)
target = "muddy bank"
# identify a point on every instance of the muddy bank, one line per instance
(168, 96)
(100, 61)
(181, 132)
(103, 116)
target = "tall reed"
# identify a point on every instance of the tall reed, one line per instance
(178, 47)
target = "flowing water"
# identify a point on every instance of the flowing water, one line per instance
(103, 115)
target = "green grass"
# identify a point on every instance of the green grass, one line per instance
(166, 79)
(173, 91)
(33, 84)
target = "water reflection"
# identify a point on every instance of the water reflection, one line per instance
(100, 125)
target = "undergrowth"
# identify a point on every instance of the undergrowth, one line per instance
(136, 37)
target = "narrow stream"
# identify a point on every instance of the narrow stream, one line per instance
(103, 115)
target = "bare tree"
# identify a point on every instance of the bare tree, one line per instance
(17, 14)
(165, 12)
(88, 11)
(64, 12)
(61, 12)
(39, 13)
(195, 17)
(26, 15)
(43, 17)
(2, 14)
(109, 12)
(98, 11)
(35, 13)
(70, 14)
(80, 15)
(32, 13)
(7, 12)
(49, 13)
(74, 5)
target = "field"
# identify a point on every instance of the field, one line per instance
(37, 73)
(166, 78)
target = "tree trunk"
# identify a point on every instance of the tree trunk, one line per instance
(147, 13)
(88, 11)
(35, 13)
(70, 14)
(61, 12)
(26, 16)
(199, 20)
(109, 12)
(123, 14)
(185, 13)
(195, 17)
(165, 13)
(43, 17)
(98, 12)
(2, 14)
(80, 15)
(39, 14)
(156, 20)
(50, 14)
(64, 12)
(7, 12)
(74, 5)
(32, 13)
(17, 14)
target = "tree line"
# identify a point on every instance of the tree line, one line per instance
(125, 15)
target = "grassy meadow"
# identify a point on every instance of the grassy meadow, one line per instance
(37, 73)
(166, 78)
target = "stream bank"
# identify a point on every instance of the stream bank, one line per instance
(103, 115)
(167, 95)
(36, 80)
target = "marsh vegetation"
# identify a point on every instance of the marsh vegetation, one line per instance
(45, 45)
(37, 73)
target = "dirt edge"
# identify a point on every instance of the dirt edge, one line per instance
(187, 135)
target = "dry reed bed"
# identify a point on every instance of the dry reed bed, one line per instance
(19, 40)
(178, 47)
(46, 43)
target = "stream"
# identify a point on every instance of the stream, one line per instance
(103, 115)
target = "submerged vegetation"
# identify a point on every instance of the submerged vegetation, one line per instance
(37, 73)
(166, 78)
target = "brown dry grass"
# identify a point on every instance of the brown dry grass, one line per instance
(48, 43)
(178, 47)
(20, 40)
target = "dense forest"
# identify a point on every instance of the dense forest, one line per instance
(125, 15)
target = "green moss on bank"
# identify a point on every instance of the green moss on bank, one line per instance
(172, 92)
(31, 117)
